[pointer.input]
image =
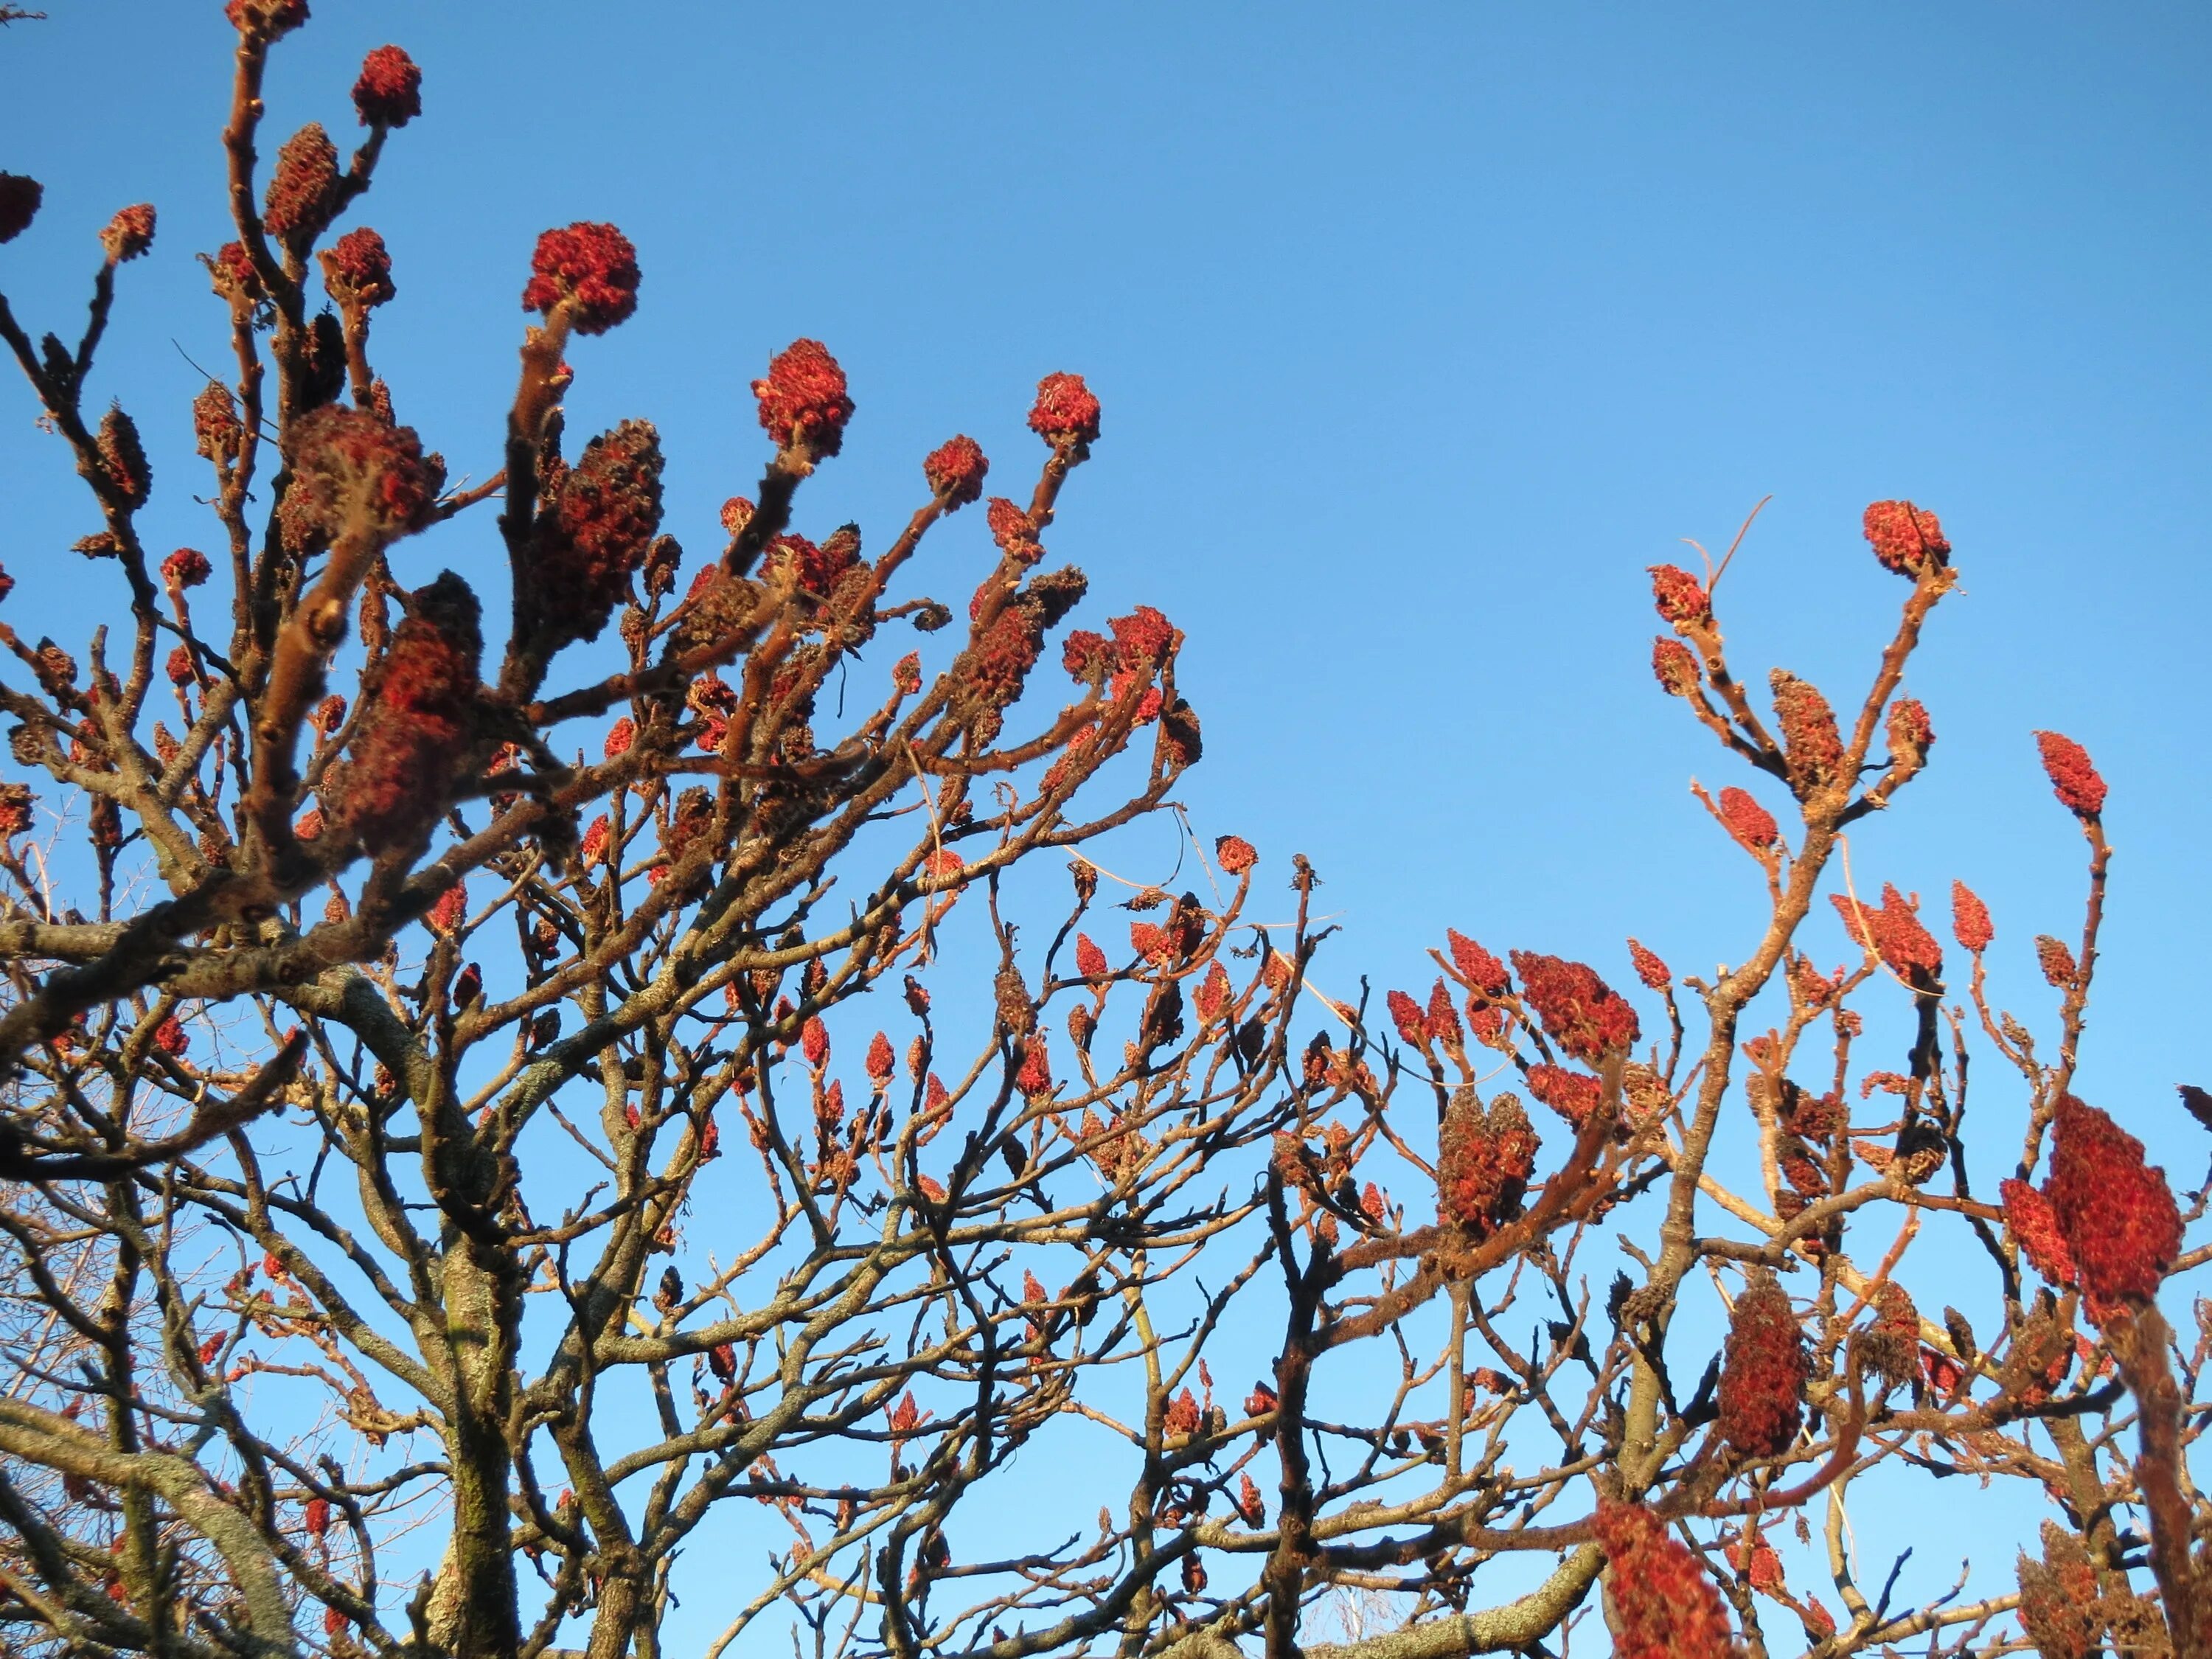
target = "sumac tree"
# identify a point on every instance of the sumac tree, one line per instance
(504, 1073)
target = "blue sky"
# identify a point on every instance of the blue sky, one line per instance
(1419, 338)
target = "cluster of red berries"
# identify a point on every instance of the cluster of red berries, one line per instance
(2074, 777)
(389, 93)
(804, 404)
(955, 471)
(357, 269)
(1904, 539)
(1485, 1157)
(1970, 919)
(419, 698)
(1809, 737)
(1763, 1371)
(1664, 1606)
(2115, 1213)
(1066, 411)
(603, 514)
(1894, 932)
(592, 267)
(129, 234)
(1680, 598)
(1579, 1010)
(302, 189)
(19, 204)
(351, 472)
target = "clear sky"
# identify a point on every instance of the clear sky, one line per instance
(1419, 338)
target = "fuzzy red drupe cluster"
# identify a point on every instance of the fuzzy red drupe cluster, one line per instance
(591, 266)
(390, 90)
(1579, 1010)
(2115, 1213)
(1904, 539)
(1066, 410)
(1764, 1371)
(803, 398)
(1485, 1157)
(1664, 1605)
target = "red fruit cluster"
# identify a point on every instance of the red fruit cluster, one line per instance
(1763, 1371)
(1066, 411)
(2055, 961)
(993, 669)
(1573, 1095)
(2031, 1222)
(302, 189)
(603, 513)
(2073, 778)
(1441, 1022)
(1890, 1344)
(594, 845)
(1484, 1160)
(1894, 932)
(230, 271)
(803, 400)
(1579, 1010)
(124, 458)
(1406, 1015)
(1143, 637)
(353, 475)
(15, 800)
(1014, 531)
(129, 234)
(1970, 919)
(186, 568)
(19, 204)
(1234, 855)
(1675, 669)
(1910, 732)
(215, 426)
(419, 695)
(2062, 1610)
(955, 471)
(266, 19)
(815, 568)
(591, 266)
(1744, 819)
(451, 910)
(1680, 598)
(1214, 994)
(1904, 539)
(2115, 1213)
(389, 93)
(1815, 747)
(1762, 1568)
(1034, 1077)
(357, 269)
(1655, 974)
(1482, 971)
(1663, 1605)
